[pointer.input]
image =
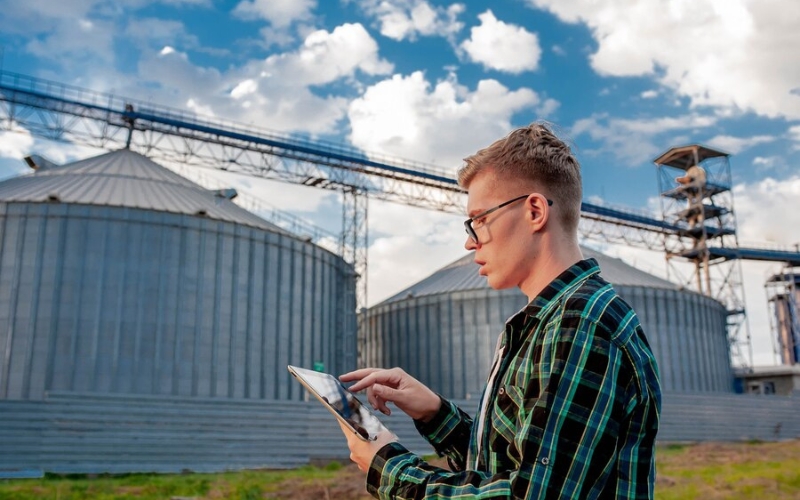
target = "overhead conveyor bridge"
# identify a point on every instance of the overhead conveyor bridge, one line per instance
(703, 232)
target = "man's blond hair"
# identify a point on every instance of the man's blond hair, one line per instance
(533, 154)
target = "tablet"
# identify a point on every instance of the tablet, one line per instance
(341, 402)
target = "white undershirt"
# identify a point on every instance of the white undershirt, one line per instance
(486, 394)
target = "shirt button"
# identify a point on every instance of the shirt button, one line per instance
(545, 461)
(501, 391)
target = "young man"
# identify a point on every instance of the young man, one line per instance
(572, 402)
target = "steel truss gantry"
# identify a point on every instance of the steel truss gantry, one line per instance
(66, 113)
(70, 114)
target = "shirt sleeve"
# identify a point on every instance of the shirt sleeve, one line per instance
(449, 433)
(396, 473)
(567, 438)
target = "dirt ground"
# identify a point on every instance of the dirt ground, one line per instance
(349, 484)
(763, 471)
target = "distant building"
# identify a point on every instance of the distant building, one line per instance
(782, 380)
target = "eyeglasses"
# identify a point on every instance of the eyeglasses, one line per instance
(469, 224)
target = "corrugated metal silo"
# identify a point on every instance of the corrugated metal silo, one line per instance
(120, 276)
(443, 329)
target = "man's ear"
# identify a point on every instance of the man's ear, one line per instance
(538, 211)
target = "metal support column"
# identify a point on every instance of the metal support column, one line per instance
(353, 247)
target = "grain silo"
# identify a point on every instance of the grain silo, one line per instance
(118, 276)
(443, 329)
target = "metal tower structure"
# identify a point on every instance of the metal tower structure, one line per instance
(695, 186)
(67, 113)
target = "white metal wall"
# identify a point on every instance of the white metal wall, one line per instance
(96, 433)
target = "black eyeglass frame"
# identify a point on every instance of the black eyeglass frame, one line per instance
(468, 223)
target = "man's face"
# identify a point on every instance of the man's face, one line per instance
(503, 234)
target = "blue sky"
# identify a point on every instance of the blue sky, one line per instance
(434, 81)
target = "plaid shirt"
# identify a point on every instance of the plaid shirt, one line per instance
(571, 411)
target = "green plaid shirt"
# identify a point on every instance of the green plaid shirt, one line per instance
(571, 412)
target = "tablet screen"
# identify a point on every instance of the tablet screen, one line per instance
(340, 401)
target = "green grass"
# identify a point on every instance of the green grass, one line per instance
(739, 471)
(244, 485)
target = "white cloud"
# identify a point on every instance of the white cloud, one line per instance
(152, 31)
(15, 143)
(632, 140)
(199, 108)
(327, 56)
(182, 2)
(262, 196)
(732, 54)
(280, 13)
(61, 153)
(775, 164)
(405, 117)
(275, 93)
(177, 75)
(764, 211)
(754, 276)
(548, 107)
(395, 259)
(276, 36)
(765, 218)
(278, 105)
(794, 135)
(71, 36)
(79, 40)
(41, 16)
(407, 19)
(244, 88)
(735, 145)
(649, 94)
(502, 46)
(767, 162)
(12, 168)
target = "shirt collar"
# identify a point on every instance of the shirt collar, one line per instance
(549, 296)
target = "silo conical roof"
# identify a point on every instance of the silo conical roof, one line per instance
(124, 178)
(462, 275)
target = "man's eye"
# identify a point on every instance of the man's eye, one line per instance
(478, 222)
